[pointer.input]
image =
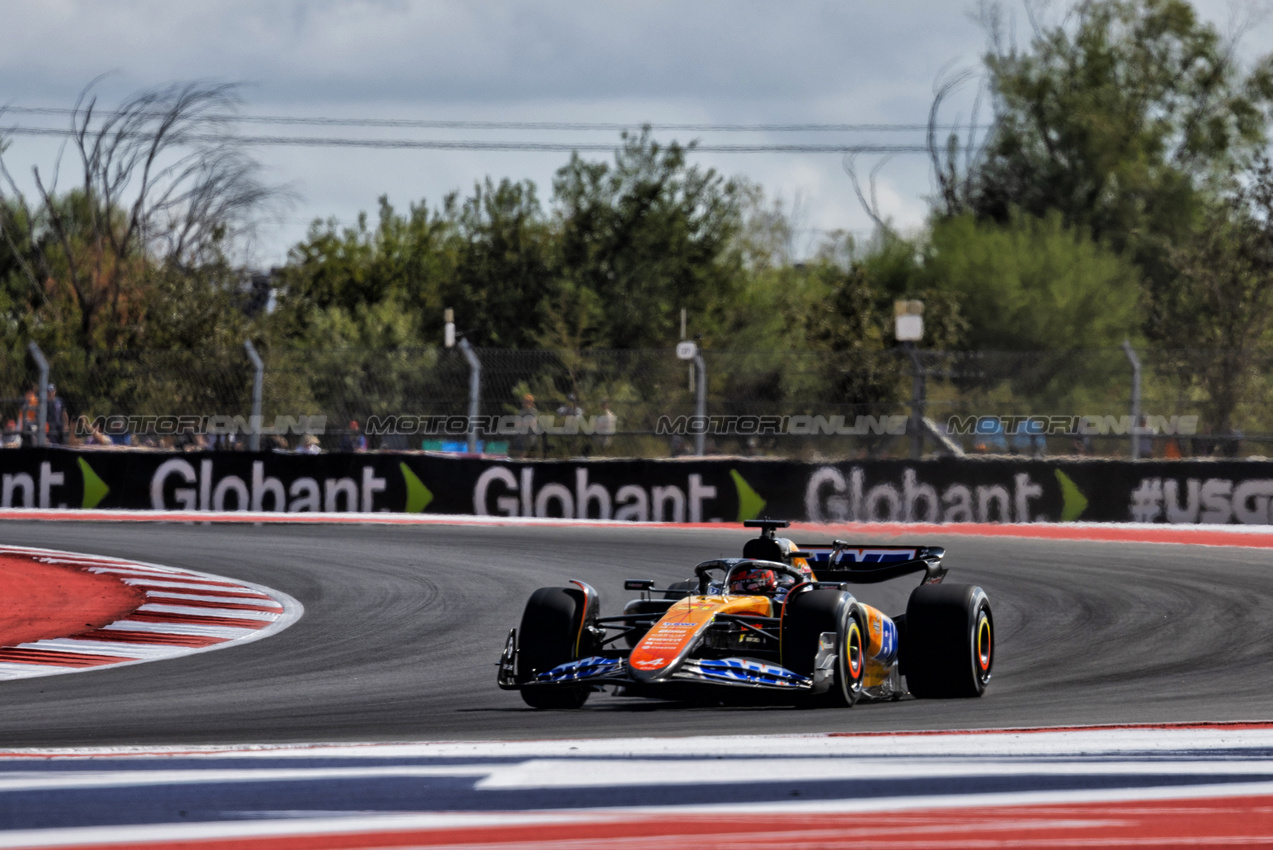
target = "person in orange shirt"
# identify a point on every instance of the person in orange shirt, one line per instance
(29, 417)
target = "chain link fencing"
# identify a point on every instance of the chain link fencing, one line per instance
(806, 404)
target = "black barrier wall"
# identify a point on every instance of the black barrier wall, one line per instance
(684, 490)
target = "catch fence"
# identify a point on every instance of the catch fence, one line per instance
(806, 404)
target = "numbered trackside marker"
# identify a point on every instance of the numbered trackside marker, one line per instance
(84, 612)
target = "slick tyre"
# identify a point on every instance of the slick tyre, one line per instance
(550, 634)
(806, 617)
(948, 650)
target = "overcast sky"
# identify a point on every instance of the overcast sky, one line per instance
(741, 62)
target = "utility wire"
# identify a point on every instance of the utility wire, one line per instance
(518, 125)
(480, 145)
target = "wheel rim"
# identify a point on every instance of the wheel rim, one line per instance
(985, 646)
(853, 652)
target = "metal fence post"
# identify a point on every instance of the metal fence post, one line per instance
(917, 401)
(1135, 361)
(42, 417)
(700, 404)
(258, 381)
(475, 390)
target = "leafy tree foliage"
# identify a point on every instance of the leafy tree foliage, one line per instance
(1223, 300)
(1118, 118)
(350, 277)
(649, 235)
(1033, 284)
(504, 273)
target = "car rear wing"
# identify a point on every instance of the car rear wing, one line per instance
(844, 562)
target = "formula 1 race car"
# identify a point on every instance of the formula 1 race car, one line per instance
(779, 622)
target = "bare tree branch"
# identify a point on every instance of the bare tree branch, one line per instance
(953, 191)
(871, 205)
(165, 188)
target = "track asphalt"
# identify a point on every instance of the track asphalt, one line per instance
(404, 624)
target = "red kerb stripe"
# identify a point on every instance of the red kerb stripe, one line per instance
(16, 655)
(156, 638)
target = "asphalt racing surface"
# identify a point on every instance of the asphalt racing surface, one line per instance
(403, 626)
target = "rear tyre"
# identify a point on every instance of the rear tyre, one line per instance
(949, 647)
(806, 617)
(551, 633)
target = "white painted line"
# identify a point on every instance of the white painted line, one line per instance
(588, 773)
(177, 585)
(182, 629)
(1095, 741)
(228, 613)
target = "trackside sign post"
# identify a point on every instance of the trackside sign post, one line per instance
(691, 490)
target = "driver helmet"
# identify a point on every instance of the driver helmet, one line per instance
(753, 581)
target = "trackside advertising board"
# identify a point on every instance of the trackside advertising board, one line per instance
(682, 490)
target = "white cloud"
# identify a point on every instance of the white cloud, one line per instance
(710, 61)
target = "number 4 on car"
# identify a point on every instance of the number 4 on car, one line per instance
(780, 623)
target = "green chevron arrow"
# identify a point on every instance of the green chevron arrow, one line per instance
(95, 488)
(418, 496)
(750, 504)
(1073, 502)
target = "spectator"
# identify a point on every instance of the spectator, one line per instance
(29, 416)
(309, 446)
(991, 440)
(88, 434)
(353, 440)
(607, 423)
(12, 435)
(526, 440)
(190, 440)
(569, 408)
(58, 423)
(569, 414)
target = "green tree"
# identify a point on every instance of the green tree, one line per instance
(504, 278)
(650, 235)
(1220, 313)
(1122, 118)
(1032, 284)
(337, 275)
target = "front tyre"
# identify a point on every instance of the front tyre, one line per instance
(809, 615)
(551, 633)
(949, 646)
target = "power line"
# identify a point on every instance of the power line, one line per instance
(482, 145)
(584, 126)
